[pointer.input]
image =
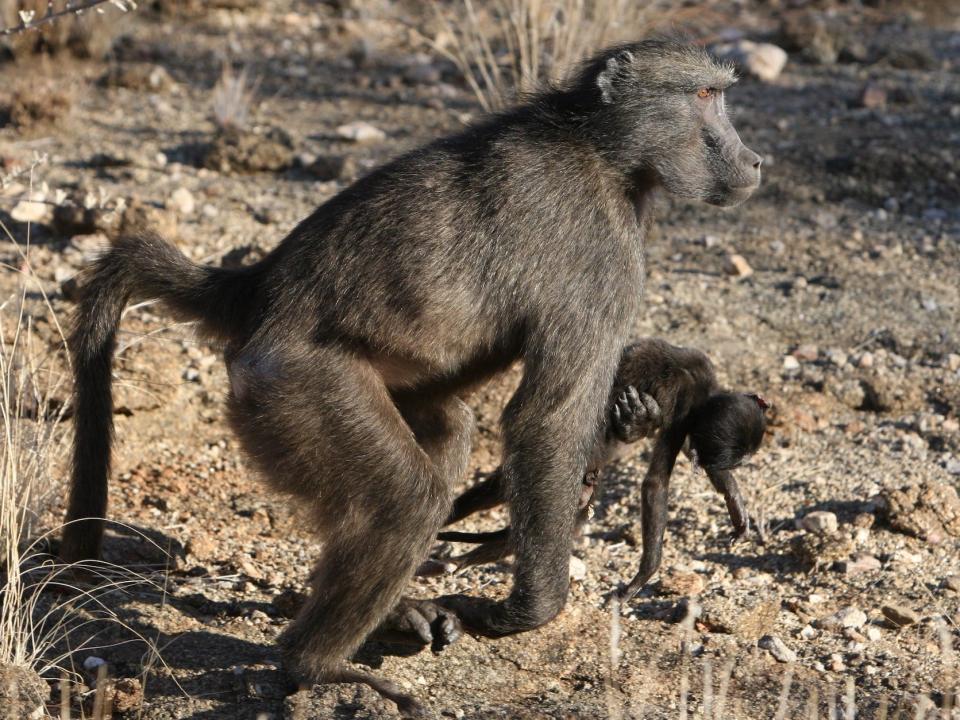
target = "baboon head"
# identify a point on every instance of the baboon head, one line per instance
(727, 428)
(662, 119)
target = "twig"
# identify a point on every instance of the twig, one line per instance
(27, 21)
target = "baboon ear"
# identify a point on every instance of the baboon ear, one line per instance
(607, 79)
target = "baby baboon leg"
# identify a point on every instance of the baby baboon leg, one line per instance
(324, 428)
(726, 485)
(483, 496)
(654, 510)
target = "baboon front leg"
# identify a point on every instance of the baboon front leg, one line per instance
(323, 427)
(550, 429)
(654, 506)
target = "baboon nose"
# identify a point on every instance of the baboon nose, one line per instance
(749, 157)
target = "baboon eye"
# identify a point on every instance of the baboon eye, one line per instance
(706, 92)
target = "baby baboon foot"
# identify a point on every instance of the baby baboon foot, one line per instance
(423, 622)
(634, 415)
(491, 618)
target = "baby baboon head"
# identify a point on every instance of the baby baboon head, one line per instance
(661, 118)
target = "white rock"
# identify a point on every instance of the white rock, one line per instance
(182, 201)
(820, 522)
(776, 647)
(873, 633)
(850, 617)
(790, 364)
(32, 210)
(762, 60)
(361, 132)
(578, 569)
(737, 266)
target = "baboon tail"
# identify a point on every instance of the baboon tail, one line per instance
(133, 269)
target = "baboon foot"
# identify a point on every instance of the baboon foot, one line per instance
(422, 622)
(634, 415)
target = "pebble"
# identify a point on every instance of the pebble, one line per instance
(737, 266)
(821, 522)
(952, 582)
(953, 362)
(808, 632)
(93, 662)
(361, 132)
(861, 563)
(777, 648)
(182, 202)
(873, 96)
(836, 662)
(791, 364)
(764, 61)
(873, 634)
(682, 583)
(899, 615)
(848, 617)
(578, 569)
(33, 210)
(807, 353)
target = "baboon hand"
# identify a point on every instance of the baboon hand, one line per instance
(421, 622)
(634, 415)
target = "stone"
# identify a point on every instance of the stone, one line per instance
(737, 266)
(848, 617)
(952, 582)
(790, 364)
(861, 563)
(807, 353)
(127, 694)
(22, 693)
(953, 362)
(239, 151)
(777, 648)
(181, 200)
(764, 61)
(676, 582)
(333, 167)
(821, 522)
(899, 615)
(749, 621)
(929, 510)
(33, 209)
(361, 132)
(202, 546)
(578, 569)
(873, 97)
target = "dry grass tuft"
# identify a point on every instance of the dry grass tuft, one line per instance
(506, 48)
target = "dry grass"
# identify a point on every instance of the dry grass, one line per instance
(231, 99)
(46, 615)
(509, 47)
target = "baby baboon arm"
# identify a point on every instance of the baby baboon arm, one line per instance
(483, 496)
(726, 485)
(634, 415)
(654, 506)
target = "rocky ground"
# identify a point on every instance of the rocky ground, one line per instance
(835, 292)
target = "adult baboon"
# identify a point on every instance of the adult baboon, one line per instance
(663, 390)
(350, 345)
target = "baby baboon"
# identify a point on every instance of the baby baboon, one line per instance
(662, 389)
(349, 346)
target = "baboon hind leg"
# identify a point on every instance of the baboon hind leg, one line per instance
(323, 427)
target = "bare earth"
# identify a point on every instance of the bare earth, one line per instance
(848, 323)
